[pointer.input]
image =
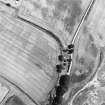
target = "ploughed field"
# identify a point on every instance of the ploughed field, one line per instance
(27, 57)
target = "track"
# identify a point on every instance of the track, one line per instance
(86, 14)
(82, 20)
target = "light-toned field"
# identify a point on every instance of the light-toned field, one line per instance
(95, 23)
(92, 31)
